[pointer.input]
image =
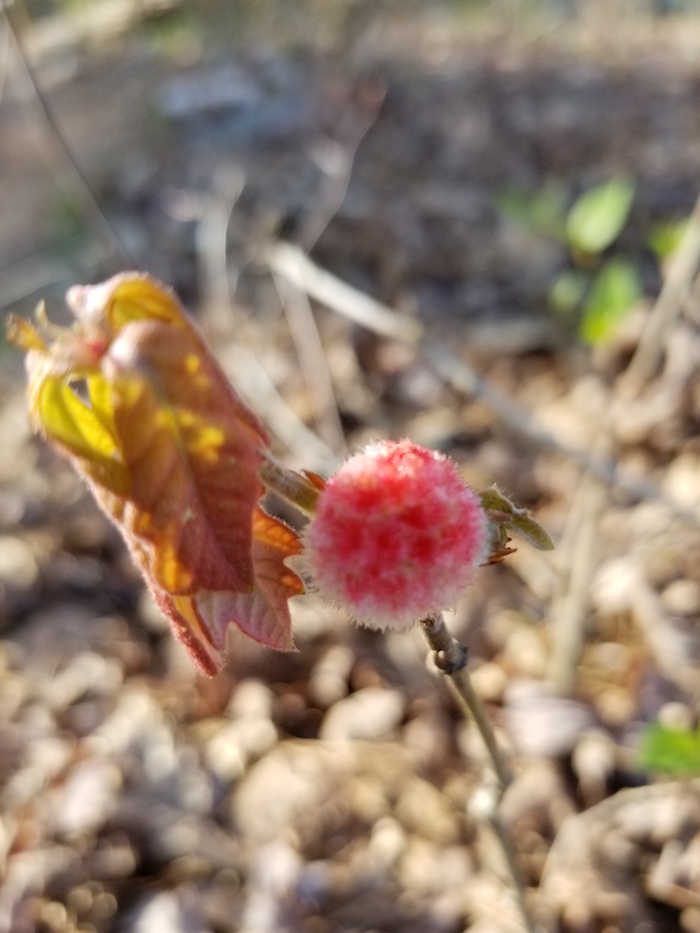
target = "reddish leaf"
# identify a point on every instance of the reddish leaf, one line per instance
(172, 455)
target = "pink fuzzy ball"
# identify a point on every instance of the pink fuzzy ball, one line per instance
(396, 535)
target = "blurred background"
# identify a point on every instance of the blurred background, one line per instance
(472, 223)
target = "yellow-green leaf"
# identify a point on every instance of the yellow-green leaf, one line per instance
(67, 420)
(598, 216)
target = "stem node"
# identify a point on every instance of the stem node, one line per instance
(450, 657)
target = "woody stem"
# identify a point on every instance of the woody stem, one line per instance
(450, 658)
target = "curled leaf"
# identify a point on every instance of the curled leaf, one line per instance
(132, 395)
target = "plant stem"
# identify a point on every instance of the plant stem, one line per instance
(450, 658)
(293, 487)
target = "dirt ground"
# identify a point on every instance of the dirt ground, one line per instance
(336, 788)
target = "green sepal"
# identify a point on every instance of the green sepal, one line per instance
(503, 513)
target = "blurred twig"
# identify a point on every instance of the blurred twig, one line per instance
(211, 245)
(674, 294)
(336, 157)
(5, 42)
(102, 223)
(294, 265)
(577, 558)
(213, 264)
(258, 388)
(380, 319)
(579, 555)
(311, 355)
(584, 849)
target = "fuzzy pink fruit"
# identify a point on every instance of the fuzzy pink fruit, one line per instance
(396, 535)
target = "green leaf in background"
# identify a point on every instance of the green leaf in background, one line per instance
(598, 216)
(674, 751)
(543, 212)
(516, 205)
(665, 237)
(614, 292)
(566, 291)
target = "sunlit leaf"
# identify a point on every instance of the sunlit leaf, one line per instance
(598, 216)
(673, 751)
(613, 294)
(566, 291)
(664, 238)
(24, 335)
(69, 421)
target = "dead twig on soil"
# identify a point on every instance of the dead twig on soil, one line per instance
(578, 561)
(102, 223)
(336, 158)
(579, 555)
(260, 391)
(674, 294)
(330, 291)
(217, 300)
(313, 362)
(6, 40)
(322, 286)
(605, 851)
(211, 245)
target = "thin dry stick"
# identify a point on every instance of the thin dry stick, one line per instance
(211, 245)
(674, 294)
(338, 161)
(325, 288)
(314, 365)
(257, 387)
(579, 555)
(5, 39)
(450, 658)
(352, 129)
(103, 225)
(578, 560)
(212, 257)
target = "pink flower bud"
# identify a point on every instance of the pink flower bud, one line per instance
(396, 535)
